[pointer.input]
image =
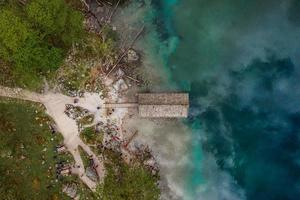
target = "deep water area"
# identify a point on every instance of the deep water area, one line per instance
(239, 60)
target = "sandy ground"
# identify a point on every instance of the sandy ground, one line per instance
(55, 106)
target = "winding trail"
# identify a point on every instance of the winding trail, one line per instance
(55, 105)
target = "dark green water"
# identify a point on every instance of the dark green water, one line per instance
(240, 60)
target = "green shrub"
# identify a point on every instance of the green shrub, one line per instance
(35, 39)
(55, 20)
(90, 136)
(128, 182)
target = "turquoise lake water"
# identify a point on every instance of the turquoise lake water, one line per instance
(239, 60)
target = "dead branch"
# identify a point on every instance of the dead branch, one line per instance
(23, 2)
(93, 14)
(113, 12)
(130, 139)
(102, 71)
(125, 52)
(86, 5)
(132, 78)
(99, 3)
(108, 20)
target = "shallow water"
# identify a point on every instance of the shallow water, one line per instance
(239, 60)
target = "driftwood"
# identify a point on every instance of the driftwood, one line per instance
(102, 71)
(104, 2)
(86, 5)
(132, 78)
(23, 2)
(130, 139)
(93, 14)
(99, 3)
(89, 11)
(113, 12)
(125, 52)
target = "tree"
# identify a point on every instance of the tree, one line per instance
(13, 33)
(35, 39)
(22, 46)
(55, 20)
(37, 56)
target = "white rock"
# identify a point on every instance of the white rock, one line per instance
(120, 85)
(132, 55)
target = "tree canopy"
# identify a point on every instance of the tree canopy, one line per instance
(34, 38)
(56, 20)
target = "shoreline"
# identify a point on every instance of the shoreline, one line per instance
(55, 104)
(169, 139)
(120, 83)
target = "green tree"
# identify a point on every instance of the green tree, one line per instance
(35, 38)
(22, 46)
(56, 20)
(37, 56)
(13, 34)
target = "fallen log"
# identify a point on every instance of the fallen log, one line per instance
(125, 52)
(113, 12)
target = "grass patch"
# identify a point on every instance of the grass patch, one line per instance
(86, 120)
(28, 158)
(84, 156)
(27, 153)
(89, 135)
(128, 182)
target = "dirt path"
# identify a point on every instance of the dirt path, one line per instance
(18, 93)
(55, 106)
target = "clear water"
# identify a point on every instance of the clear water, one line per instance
(239, 60)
